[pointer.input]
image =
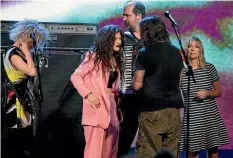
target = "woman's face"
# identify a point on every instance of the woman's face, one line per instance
(117, 42)
(194, 50)
(30, 43)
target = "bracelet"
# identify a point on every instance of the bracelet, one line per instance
(88, 94)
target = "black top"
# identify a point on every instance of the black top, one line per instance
(16, 51)
(162, 64)
(21, 85)
(112, 78)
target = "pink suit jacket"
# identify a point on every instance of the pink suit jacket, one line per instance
(85, 81)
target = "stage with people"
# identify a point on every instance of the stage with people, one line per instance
(116, 79)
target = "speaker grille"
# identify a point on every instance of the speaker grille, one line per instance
(55, 78)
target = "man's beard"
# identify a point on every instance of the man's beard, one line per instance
(127, 25)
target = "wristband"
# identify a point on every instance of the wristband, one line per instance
(88, 94)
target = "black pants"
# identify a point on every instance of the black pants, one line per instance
(130, 106)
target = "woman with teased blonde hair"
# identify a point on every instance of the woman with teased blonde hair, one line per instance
(19, 65)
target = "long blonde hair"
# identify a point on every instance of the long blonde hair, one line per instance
(201, 59)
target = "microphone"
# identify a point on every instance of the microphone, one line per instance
(44, 59)
(169, 16)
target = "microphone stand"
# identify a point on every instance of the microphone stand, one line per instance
(189, 73)
(39, 94)
(37, 60)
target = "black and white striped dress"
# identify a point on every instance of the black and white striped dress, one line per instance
(206, 127)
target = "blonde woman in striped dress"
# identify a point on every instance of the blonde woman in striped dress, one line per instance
(206, 127)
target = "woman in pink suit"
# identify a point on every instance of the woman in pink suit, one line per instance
(97, 80)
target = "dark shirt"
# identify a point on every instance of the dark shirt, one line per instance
(112, 78)
(16, 51)
(162, 64)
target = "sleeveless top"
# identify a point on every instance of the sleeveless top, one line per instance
(21, 118)
(14, 75)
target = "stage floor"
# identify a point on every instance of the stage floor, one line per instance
(202, 154)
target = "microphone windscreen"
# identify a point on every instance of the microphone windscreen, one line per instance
(167, 13)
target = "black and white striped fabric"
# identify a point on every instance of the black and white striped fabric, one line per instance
(131, 48)
(206, 127)
(126, 84)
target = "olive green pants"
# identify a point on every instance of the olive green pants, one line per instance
(157, 130)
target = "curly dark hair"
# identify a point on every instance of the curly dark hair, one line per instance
(153, 30)
(103, 47)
